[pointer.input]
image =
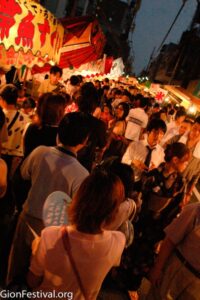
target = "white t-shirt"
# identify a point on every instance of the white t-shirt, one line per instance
(94, 256)
(136, 120)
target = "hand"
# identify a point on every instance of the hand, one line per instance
(186, 199)
(133, 295)
(152, 167)
(139, 164)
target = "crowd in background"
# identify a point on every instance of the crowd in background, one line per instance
(129, 165)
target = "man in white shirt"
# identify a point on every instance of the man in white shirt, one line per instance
(146, 154)
(137, 120)
(173, 126)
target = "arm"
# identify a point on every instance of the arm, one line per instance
(3, 178)
(165, 251)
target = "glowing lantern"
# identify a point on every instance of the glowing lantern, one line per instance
(29, 34)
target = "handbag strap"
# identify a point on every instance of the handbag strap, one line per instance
(13, 121)
(67, 246)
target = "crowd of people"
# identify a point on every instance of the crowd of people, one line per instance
(129, 166)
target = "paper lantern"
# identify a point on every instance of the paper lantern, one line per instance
(29, 34)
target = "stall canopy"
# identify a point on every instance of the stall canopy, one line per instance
(83, 42)
(29, 34)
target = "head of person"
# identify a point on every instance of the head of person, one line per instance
(124, 171)
(117, 94)
(74, 80)
(180, 116)
(195, 130)
(177, 155)
(156, 108)
(106, 89)
(107, 108)
(106, 81)
(21, 90)
(143, 102)
(74, 130)
(8, 95)
(185, 127)
(50, 108)
(156, 129)
(55, 75)
(88, 99)
(96, 202)
(28, 105)
(121, 111)
(80, 78)
(97, 84)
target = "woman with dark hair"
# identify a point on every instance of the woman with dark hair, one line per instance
(117, 144)
(50, 110)
(78, 257)
(118, 125)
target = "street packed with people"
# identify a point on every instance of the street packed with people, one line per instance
(99, 150)
(96, 188)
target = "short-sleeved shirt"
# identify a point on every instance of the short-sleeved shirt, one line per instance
(14, 145)
(136, 120)
(50, 170)
(46, 87)
(94, 256)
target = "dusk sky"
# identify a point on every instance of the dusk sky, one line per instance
(152, 23)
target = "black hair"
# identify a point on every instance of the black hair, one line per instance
(124, 171)
(105, 88)
(73, 129)
(9, 93)
(143, 101)
(156, 124)
(180, 113)
(175, 149)
(50, 108)
(29, 103)
(197, 120)
(125, 108)
(74, 80)
(156, 105)
(88, 99)
(56, 69)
